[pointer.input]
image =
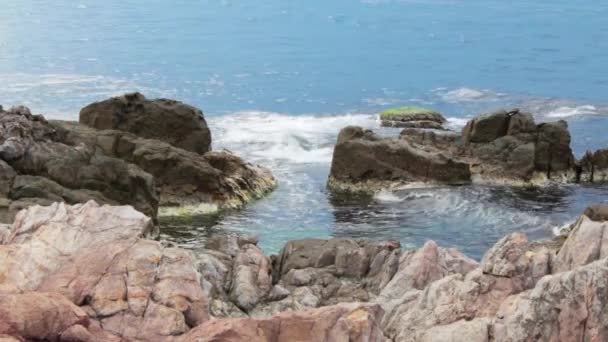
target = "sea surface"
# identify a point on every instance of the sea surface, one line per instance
(278, 79)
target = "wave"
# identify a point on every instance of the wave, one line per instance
(567, 111)
(464, 94)
(276, 136)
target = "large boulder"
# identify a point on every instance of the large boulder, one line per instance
(503, 147)
(188, 182)
(39, 169)
(170, 121)
(365, 161)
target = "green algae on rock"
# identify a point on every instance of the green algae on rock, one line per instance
(411, 116)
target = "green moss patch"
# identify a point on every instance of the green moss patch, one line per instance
(407, 111)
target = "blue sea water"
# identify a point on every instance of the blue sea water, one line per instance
(278, 79)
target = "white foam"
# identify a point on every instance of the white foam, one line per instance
(561, 230)
(275, 136)
(387, 196)
(467, 95)
(456, 123)
(568, 111)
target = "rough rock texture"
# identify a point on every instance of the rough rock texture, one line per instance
(504, 147)
(36, 169)
(414, 117)
(344, 322)
(569, 306)
(170, 121)
(188, 181)
(419, 268)
(586, 242)
(95, 257)
(594, 166)
(511, 266)
(42, 162)
(362, 159)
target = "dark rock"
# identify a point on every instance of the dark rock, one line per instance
(504, 147)
(362, 159)
(59, 172)
(187, 180)
(553, 153)
(594, 166)
(170, 121)
(486, 128)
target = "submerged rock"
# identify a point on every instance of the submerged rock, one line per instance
(414, 117)
(504, 147)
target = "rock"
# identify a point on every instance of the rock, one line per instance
(504, 147)
(170, 121)
(345, 322)
(568, 306)
(40, 316)
(476, 330)
(193, 184)
(597, 212)
(7, 176)
(252, 277)
(367, 162)
(412, 117)
(419, 268)
(586, 243)
(486, 128)
(553, 153)
(510, 267)
(95, 257)
(71, 173)
(594, 166)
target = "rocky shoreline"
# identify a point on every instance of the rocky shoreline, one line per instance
(79, 261)
(500, 148)
(152, 154)
(87, 273)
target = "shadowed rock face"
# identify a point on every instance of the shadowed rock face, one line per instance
(42, 162)
(37, 169)
(497, 148)
(171, 121)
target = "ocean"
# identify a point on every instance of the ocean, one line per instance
(278, 79)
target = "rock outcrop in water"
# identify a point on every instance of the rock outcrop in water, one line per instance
(413, 117)
(43, 162)
(86, 273)
(497, 148)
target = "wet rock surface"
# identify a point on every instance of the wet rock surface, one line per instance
(503, 147)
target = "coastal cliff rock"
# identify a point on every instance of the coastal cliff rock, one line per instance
(87, 273)
(171, 121)
(44, 162)
(504, 147)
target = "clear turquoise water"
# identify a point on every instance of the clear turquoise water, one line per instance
(278, 79)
